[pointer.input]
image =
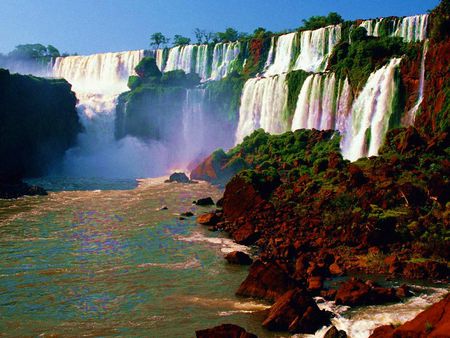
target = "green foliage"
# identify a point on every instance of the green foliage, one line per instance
(230, 35)
(179, 40)
(147, 69)
(36, 52)
(358, 34)
(365, 54)
(225, 95)
(316, 22)
(178, 78)
(158, 39)
(134, 82)
(440, 21)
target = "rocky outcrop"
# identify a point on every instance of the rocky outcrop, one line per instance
(204, 201)
(225, 331)
(179, 178)
(355, 292)
(210, 219)
(333, 332)
(39, 122)
(13, 188)
(267, 281)
(296, 312)
(434, 322)
(239, 257)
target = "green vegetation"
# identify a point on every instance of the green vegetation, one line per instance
(440, 21)
(158, 39)
(36, 52)
(295, 82)
(316, 22)
(38, 123)
(224, 95)
(364, 55)
(179, 40)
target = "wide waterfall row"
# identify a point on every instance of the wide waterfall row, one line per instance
(324, 102)
(410, 28)
(98, 73)
(307, 50)
(209, 64)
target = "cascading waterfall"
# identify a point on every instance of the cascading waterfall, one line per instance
(410, 28)
(262, 101)
(411, 116)
(284, 51)
(372, 26)
(193, 119)
(97, 81)
(224, 56)
(315, 48)
(323, 103)
(180, 58)
(196, 59)
(269, 60)
(201, 62)
(370, 114)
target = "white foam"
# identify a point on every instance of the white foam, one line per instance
(227, 245)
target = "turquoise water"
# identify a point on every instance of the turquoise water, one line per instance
(108, 263)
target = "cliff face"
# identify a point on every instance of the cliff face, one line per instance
(38, 123)
(434, 115)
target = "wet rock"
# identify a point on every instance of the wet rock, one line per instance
(179, 178)
(355, 292)
(245, 234)
(208, 219)
(204, 201)
(336, 270)
(12, 188)
(433, 322)
(187, 214)
(423, 270)
(333, 332)
(297, 312)
(181, 218)
(266, 281)
(315, 283)
(164, 207)
(225, 331)
(239, 257)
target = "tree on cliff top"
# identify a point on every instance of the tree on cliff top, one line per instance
(179, 40)
(34, 51)
(316, 22)
(158, 39)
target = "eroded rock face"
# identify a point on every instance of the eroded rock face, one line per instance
(267, 281)
(225, 331)
(297, 312)
(431, 323)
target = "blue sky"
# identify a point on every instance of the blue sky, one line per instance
(92, 26)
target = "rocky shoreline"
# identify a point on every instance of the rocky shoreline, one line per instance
(385, 215)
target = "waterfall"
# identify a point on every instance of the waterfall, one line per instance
(411, 116)
(269, 60)
(224, 57)
(323, 103)
(201, 62)
(412, 28)
(372, 26)
(315, 48)
(97, 81)
(284, 52)
(370, 114)
(315, 104)
(180, 58)
(193, 122)
(159, 56)
(262, 104)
